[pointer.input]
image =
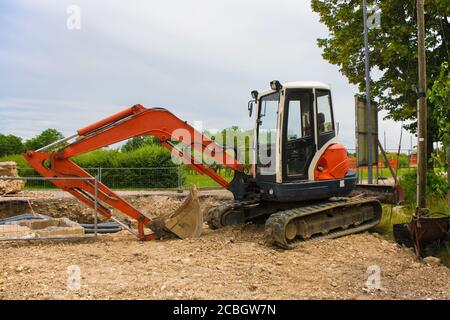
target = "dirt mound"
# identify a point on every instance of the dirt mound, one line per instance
(156, 205)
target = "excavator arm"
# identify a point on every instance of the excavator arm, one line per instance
(131, 122)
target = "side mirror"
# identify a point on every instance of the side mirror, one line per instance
(250, 107)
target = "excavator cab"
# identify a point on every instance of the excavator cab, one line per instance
(297, 153)
(301, 175)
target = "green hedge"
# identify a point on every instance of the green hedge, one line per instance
(151, 156)
(436, 188)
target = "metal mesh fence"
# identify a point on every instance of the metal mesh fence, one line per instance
(121, 178)
(401, 161)
(138, 178)
(177, 177)
(405, 159)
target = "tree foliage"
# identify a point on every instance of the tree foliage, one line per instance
(10, 144)
(439, 96)
(44, 138)
(393, 50)
(139, 142)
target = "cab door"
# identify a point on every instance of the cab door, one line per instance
(325, 121)
(299, 145)
(267, 135)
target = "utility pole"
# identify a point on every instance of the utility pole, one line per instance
(368, 97)
(421, 113)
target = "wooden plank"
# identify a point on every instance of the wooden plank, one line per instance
(388, 164)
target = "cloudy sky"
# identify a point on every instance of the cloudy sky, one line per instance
(198, 58)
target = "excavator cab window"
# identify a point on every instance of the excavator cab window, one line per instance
(298, 145)
(325, 123)
(267, 136)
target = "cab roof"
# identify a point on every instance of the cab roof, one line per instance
(299, 85)
(307, 84)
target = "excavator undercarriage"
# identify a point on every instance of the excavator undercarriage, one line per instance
(287, 224)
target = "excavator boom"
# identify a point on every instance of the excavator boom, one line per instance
(132, 122)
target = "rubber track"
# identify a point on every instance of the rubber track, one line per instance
(277, 222)
(215, 213)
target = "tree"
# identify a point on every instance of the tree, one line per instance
(439, 96)
(10, 144)
(139, 142)
(44, 138)
(393, 51)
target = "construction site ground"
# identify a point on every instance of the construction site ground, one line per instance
(229, 263)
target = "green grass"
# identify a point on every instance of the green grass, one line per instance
(18, 159)
(384, 172)
(202, 181)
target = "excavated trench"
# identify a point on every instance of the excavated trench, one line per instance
(57, 206)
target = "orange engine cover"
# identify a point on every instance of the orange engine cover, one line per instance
(334, 163)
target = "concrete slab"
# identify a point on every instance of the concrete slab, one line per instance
(47, 228)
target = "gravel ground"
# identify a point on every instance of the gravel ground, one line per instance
(230, 263)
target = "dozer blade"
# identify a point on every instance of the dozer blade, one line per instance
(185, 222)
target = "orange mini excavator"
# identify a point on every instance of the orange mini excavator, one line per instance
(299, 184)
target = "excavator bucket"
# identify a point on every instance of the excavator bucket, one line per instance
(185, 222)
